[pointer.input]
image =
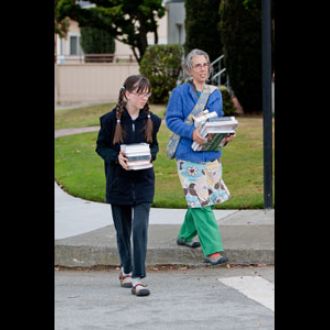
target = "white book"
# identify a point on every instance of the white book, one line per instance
(136, 157)
(226, 122)
(136, 167)
(203, 117)
(135, 148)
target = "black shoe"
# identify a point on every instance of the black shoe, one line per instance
(192, 245)
(221, 260)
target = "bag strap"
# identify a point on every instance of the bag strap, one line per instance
(202, 100)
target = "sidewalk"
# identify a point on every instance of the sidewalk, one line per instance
(85, 235)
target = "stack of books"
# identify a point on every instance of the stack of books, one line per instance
(215, 129)
(203, 117)
(138, 155)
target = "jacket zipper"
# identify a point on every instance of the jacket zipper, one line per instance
(133, 189)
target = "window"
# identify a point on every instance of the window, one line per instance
(179, 27)
(74, 45)
(85, 4)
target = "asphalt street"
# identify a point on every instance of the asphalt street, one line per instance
(240, 298)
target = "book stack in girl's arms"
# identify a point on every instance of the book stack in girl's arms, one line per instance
(138, 155)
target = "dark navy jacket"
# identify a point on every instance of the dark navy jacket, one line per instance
(126, 187)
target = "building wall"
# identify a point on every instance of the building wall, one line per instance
(91, 82)
(176, 14)
(79, 82)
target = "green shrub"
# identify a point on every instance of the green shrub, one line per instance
(228, 106)
(161, 65)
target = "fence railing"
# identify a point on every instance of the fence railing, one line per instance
(94, 58)
(220, 75)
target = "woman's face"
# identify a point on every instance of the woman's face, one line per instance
(200, 69)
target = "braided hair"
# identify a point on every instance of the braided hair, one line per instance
(136, 83)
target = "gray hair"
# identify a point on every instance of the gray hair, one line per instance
(187, 63)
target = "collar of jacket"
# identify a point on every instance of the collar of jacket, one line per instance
(142, 115)
(192, 90)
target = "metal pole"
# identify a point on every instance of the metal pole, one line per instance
(266, 101)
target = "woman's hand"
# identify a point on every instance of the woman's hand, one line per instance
(197, 137)
(122, 160)
(229, 138)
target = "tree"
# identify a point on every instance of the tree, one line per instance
(128, 21)
(95, 41)
(201, 24)
(61, 25)
(240, 29)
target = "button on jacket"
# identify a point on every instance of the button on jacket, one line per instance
(126, 187)
(181, 103)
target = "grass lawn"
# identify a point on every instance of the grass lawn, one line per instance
(79, 170)
(89, 116)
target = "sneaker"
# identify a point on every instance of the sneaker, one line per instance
(125, 280)
(219, 261)
(140, 290)
(190, 244)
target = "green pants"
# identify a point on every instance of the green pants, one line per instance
(201, 222)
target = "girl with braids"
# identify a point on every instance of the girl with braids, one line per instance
(130, 193)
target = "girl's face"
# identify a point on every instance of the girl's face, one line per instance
(138, 99)
(200, 69)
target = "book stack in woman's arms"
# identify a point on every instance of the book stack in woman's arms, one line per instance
(214, 130)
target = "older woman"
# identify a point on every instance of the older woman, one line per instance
(200, 172)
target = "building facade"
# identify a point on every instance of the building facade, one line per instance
(176, 14)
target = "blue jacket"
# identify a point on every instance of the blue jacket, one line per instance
(181, 103)
(126, 187)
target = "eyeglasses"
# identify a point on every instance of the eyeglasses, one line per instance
(200, 65)
(142, 94)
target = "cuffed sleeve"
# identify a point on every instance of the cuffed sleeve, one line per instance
(154, 147)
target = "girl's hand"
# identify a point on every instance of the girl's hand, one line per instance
(122, 160)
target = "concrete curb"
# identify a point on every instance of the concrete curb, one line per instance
(89, 257)
(251, 243)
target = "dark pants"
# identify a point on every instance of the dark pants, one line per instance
(132, 220)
